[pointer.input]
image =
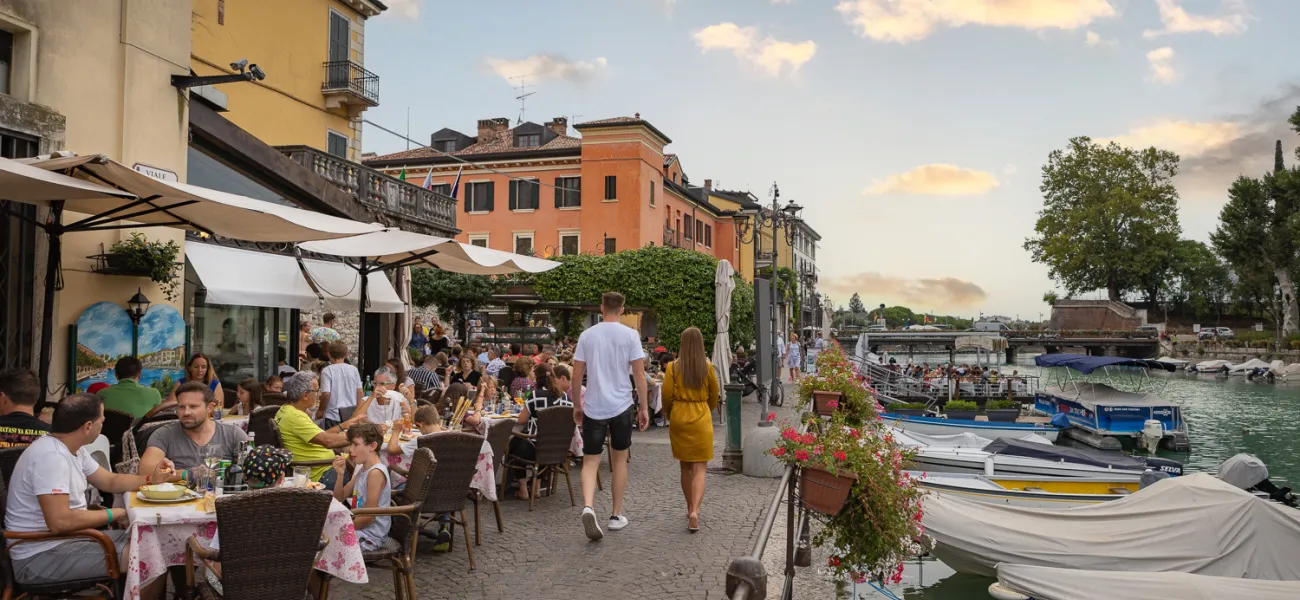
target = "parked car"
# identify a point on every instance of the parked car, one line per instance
(877, 327)
(1149, 330)
(1210, 333)
(990, 326)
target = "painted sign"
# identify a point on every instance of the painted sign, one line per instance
(157, 173)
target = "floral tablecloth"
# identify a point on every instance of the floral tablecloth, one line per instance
(485, 479)
(158, 534)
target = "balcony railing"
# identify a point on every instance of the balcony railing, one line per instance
(380, 192)
(348, 77)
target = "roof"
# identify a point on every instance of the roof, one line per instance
(697, 197)
(1087, 364)
(744, 199)
(669, 158)
(623, 122)
(500, 145)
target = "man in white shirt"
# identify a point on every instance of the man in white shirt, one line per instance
(610, 355)
(340, 386)
(387, 404)
(47, 494)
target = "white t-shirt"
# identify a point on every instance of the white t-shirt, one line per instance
(382, 413)
(342, 382)
(608, 350)
(46, 467)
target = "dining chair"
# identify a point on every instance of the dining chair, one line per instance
(9, 460)
(498, 438)
(261, 425)
(260, 560)
(132, 441)
(108, 583)
(554, 435)
(457, 454)
(274, 399)
(346, 412)
(398, 552)
(116, 423)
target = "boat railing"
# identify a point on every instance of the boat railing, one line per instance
(746, 576)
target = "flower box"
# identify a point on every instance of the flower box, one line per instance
(1003, 415)
(963, 415)
(823, 491)
(825, 403)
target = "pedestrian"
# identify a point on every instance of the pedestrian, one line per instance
(610, 355)
(325, 334)
(690, 396)
(792, 353)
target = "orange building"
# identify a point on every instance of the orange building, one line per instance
(534, 189)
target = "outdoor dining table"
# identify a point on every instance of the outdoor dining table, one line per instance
(240, 420)
(484, 471)
(158, 534)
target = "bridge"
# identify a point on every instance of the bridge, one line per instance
(1133, 344)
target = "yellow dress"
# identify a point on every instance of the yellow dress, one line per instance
(690, 419)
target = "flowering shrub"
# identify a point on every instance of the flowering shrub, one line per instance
(880, 525)
(835, 374)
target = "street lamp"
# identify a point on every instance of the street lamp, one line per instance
(136, 307)
(776, 218)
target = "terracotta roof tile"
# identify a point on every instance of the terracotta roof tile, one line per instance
(611, 121)
(503, 143)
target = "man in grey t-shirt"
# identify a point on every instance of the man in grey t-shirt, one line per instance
(184, 441)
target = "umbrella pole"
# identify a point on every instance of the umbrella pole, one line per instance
(361, 319)
(54, 233)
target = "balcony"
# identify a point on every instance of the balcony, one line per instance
(416, 208)
(350, 86)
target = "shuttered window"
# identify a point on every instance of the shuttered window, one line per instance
(337, 144)
(610, 246)
(568, 192)
(524, 194)
(478, 196)
(708, 236)
(689, 229)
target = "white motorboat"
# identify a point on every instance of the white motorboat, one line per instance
(1026, 582)
(984, 429)
(968, 453)
(1033, 492)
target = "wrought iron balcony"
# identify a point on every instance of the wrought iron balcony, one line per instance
(344, 78)
(429, 211)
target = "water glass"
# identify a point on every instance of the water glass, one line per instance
(301, 475)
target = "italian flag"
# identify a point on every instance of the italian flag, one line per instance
(402, 175)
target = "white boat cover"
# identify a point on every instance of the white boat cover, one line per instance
(1249, 365)
(1169, 360)
(1211, 365)
(1048, 583)
(1243, 471)
(1093, 395)
(965, 439)
(1286, 370)
(1193, 524)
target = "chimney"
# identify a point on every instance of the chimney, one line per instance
(560, 125)
(708, 185)
(489, 128)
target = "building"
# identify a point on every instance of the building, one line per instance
(610, 189)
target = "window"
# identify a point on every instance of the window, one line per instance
(445, 145)
(339, 71)
(524, 194)
(528, 140)
(6, 59)
(478, 239)
(708, 236)
(524, 244)
(569, 244)
(610, 246)
(441, 188)
(699, 231)
(18, 236)
(17, 145)
(336, 144)
(652, 193)
(687, 229)
(611, 187)
(478, 196)
(568, 192)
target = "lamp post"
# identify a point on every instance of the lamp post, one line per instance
(776, 218)
(136, 307)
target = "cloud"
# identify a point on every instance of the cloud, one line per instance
(1176, 20)
(1010, 169)
(904, 21)
(1093, 38)
(770, 55)
(948, 292)
(1162, 67)
(543, 67)
(1186, 138)
(934, 180)
(407, 9)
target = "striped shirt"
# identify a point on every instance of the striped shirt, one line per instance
(538, 402)
(425, 377)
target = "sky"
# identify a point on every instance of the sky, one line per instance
(912, 131)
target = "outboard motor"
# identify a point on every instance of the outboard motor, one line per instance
(1249, 473)
(1152, 432)
(1172, 468)
(1150, 478)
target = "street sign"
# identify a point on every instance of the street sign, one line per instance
(157, 173)
(1196, 328)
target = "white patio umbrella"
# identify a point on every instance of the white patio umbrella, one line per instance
(403, 338)
(723, 285)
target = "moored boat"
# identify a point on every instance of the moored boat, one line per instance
(1028, 582)
(985, 429)
(968, 453)
(1107, 416)
(1034, 492)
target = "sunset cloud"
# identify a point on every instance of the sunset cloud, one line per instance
(1161, 61)
(542, 67)
(1176, 20)
(769, 55)
(904, 21)
(935, 180)
(946, 292)
(1186, 138)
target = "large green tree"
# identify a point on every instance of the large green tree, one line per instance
(1200, 282)
(1109, 217)
(454, 294)
(855, 305)
(1257, 230)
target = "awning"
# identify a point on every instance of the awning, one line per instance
(392, 247)
(248, 278)
(21, 182)
(340, 286)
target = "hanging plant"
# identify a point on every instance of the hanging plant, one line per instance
(153, 259)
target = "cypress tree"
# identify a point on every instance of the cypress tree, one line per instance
(1278, 167)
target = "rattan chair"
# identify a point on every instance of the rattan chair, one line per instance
(258, 559)
(9, 460)
(274, 399)
(498, 437)
(261, 425)
(398, 552)
(554, 434)
(457, 455)
(346, 412)
(116, 423)
(12, 589)
(132, 441)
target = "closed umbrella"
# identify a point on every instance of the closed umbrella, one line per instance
(404, 322)
(723, 286)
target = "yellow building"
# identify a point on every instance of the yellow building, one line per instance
(745, 202)
(311, 51)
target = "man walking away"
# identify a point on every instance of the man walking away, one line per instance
(611, 356)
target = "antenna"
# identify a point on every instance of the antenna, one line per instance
(573, 120)
(523, 94)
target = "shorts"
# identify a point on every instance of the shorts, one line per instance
(71, 560)
(618, 428)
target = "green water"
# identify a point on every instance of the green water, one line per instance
(1224, 417)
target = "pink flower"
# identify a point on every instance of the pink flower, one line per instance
(801, 455)
(833, 561)
(349, 535)
(778, 451)
(771, 416)
(832, 403)
(858, 577)
(210, 531)
(790, 434)
(817, 451)
(840, 455)
(853, 432)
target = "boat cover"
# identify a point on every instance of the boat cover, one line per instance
(1195, 524)
(1249, 365)
(953, 440)
(1093, 395)
(1169, 360)
(1244, 471)
(1069, 584)
(1086, 364)
(1052, 452)
(1211, 365)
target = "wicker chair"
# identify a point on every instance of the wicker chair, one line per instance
(398, 553)
(116, 423)
(256, 563)
(346, 412)
(498, 437)
(261, 425)
(554, 434)
(132, 441)
(457, 454)
(9, 460)
(274, 399)
(12, 589)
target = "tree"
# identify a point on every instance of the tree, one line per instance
(1050, 298)
(1257, 227)
(454, 294)
(855, 305)
(1278, 164)
(1201, 282)
(1109, 214)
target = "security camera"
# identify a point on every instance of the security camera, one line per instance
(257, 72)
(239, 64)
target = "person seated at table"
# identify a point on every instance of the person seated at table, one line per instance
(127, 395)
(301, 436)
(47, 494)
(466, 371)
(425, 374)
(386, 403)
(273, 385)
(493, 364)
(186, 441)
(523, 369)
(19, 391)
(553, 390)
(403, 378)
(199, 368)
(368, 487)
(249, 393)
(266, 466)
(428, 420)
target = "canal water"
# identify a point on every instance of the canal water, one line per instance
(1224, 416)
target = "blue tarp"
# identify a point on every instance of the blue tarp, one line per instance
(1086, 364)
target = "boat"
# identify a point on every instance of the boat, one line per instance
(1106, 417)
(1217, 367)
(1177, 364)
(986, 429)
(1029, 582)
(1193, 524)
(1034, 492)
(969, 453)
(1249, 366)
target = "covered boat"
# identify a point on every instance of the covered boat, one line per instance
(1195, 524)
(1105, 415)
(1210, 366)
(1037, 492)
(1029, 457)
(1253, 364)
(986, 429)
(1025, 582)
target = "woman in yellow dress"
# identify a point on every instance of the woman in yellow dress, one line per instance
(690, 394)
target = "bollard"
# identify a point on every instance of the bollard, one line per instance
(733, 454)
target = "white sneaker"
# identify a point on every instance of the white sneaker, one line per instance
(590, 525)
(617, 522)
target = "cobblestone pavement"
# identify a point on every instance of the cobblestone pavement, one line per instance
(544, 555)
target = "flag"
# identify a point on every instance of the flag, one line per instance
(402, 175)
(455, 185)
(428, 180)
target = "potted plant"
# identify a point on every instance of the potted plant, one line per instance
(907, 409)
(155, 260)
(1002, 411)
(826, 402)
(834, 376)
(961, 409)
(868, 507)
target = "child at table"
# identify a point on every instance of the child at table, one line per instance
(368, 487)
(428, 421)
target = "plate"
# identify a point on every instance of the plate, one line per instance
(188, 496)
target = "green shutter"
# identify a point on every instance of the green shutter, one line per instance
(559, 194)
(514, 194)
(491, 192)
(467, 195)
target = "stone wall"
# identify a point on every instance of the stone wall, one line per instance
(1095, 315)
(348, 322)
